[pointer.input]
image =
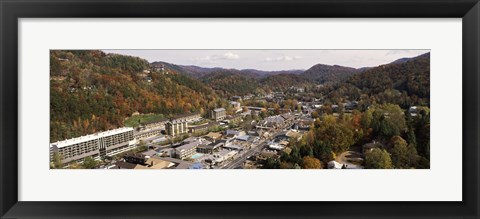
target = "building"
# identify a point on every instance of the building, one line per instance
(213, 136)
(209, 148)
(230, 133)
(96, 145)
(218, 114)
(236, 105)
(187, 150)
(147, 133)
(189, 117)
(413, 111)
(157, 124)
(176, 127)
(334, 165)
(273, 122)
(234, 118)
(202, 128)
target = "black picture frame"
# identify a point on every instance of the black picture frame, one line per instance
(12, 10)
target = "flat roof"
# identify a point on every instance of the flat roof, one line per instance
(72, 141)
(185, 115)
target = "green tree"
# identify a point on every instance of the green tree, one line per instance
(57, 161)
(403, 155)
(271, 163)
(89, 163)
(388, 120)
(378, 159)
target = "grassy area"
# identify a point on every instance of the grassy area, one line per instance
(135, 121)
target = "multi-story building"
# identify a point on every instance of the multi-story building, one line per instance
(235, 104)
(158, 124)
(176, 127)
(219, 114)
(190, 117)
(202, 128)
(96, 145)
(187, 150)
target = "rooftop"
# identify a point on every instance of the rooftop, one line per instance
(72, 141)
(219, 110)
(185, 115)
(155, 121)
(214, 135)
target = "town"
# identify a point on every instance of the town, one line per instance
(189, 141)
(131, 114)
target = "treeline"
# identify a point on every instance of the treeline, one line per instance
(91, 91)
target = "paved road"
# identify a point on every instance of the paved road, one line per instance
(239, 161)
(343, 159)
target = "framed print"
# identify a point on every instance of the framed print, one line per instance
(198, 109)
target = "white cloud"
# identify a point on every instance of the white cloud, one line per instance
(230, 55)
(214, 58)
(282, 58)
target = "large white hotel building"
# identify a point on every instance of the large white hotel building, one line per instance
(96, 145)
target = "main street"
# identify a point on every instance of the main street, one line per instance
(238, 162)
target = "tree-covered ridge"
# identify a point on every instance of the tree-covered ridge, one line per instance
(201, 72)
(412, 76)
(228, 83)
(91, 91)
(405, 83)
(281, 82)
(321, 73)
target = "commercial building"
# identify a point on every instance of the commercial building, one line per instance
(209, 148)
(189, 117)
(176, 127)
(187, 150)
(96, 145)
(147, 133)
(157, 124)
(218, 114)
(202, 128)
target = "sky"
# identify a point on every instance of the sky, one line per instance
(272, 60)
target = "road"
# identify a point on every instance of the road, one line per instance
(347, 158)
(238, 162)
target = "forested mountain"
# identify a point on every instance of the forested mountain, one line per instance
(411, 77)
(232, 83)
(91, 91)
(403, 60)
(404, 83)
(229, 83)
(201, 72)
(325, 73)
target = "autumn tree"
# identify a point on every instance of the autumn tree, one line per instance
(334, 134)
(311, 163)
